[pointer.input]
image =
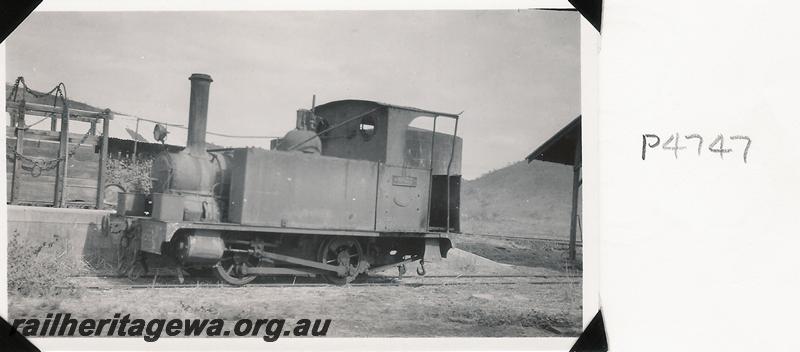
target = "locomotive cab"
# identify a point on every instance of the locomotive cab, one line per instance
(409, 157)
(354, 189)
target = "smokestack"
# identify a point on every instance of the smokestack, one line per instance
(198, 114)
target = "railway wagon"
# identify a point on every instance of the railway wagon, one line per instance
(353, 189)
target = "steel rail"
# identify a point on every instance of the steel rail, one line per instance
(455, 280)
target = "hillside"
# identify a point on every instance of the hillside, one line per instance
(521, 200)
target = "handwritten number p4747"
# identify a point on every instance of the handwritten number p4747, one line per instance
(672, 143)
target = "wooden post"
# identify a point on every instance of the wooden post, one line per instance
(101, 173)
(135, 142)
(20, 134)
(63, 154)
(576, 183)
(53, 120)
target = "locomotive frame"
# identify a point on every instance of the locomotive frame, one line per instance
(374, 193)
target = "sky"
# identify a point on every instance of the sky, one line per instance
(514, 74)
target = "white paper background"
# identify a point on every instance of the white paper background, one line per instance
(700, 253)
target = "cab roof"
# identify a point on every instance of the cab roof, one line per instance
(376, 103)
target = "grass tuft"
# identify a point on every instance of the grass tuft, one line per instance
(41, 268)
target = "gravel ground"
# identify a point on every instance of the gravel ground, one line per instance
(519, 251)
(382, 311)
(518, 309)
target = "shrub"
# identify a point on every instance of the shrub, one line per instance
(132, 176)
(40, 268)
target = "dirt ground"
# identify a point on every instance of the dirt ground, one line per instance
(380, 311)
(511, 305)
(520, 251)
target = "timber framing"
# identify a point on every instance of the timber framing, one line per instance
(20, 131)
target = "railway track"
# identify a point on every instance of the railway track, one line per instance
(152, 282)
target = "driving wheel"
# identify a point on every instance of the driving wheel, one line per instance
(344, 252)
(230, 269)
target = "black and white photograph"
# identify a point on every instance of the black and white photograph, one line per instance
(295, 174)
(514, 175)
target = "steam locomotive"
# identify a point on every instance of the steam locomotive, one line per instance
(354, 189)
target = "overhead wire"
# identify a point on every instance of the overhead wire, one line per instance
(186, 128)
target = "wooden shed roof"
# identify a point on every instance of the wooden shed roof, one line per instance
(560, 148)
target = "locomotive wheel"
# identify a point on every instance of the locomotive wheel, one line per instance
(343, 251)
(229, 269)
